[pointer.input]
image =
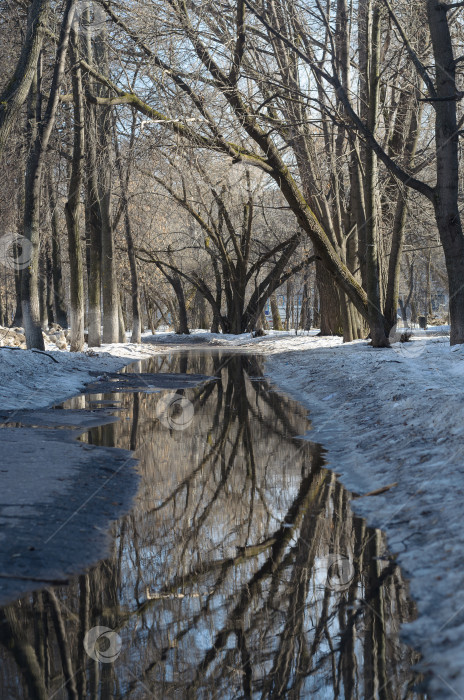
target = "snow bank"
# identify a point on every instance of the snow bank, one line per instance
(31, 379)
(389, 416)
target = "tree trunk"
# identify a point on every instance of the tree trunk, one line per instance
(404, 314)
(34, 168)
(136, 336)
(150, 311)
(316, 307)
(216, 322)
(135, 292)
(183, 319)
(331, 319)
(305, 316)
(43, 291)
(121, 324)
(235, 309)
(181, 322)
(288, 304)
(409, 299)
(413, 312)
(446, 204)
(18, 317)
(412, 114)
(109, 285)
(93, 210)
(58, 287)
(73, 208)
(30, 304)
(428, 290)
(276, 320)
(200, 305)
(108, 270)
(375, 317)
(49, 278)
(262, 324)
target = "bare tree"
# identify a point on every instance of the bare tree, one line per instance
(73, 205)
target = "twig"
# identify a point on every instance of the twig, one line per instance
(377, 492)
(53, 581)
(9, 347)
(45, 353)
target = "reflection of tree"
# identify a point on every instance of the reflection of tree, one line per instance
(13, 637)
(218, 582)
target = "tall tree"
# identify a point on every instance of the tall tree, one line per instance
(110, 296)
(92, 197)
(73, 205)
(124, 180)
(57, 267)
(40, 137)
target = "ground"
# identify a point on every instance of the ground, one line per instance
(388, 418)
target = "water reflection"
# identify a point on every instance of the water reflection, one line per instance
(240, 573)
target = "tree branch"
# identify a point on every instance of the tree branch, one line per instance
(394, 168)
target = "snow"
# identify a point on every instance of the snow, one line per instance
(397, 416)
(225, 339)
(385, 417)
(31, 379)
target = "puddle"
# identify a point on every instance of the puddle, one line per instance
(240, 572)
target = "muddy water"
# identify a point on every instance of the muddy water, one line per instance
(240, 572)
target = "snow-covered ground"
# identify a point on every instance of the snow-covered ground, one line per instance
(385, 416)
(31, 379)
(397, 417)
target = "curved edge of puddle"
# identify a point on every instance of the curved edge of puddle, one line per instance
(59, 496)
(349, 469)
